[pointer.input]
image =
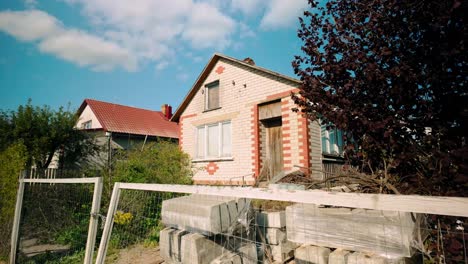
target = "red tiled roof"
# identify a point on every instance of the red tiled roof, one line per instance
(131, 120)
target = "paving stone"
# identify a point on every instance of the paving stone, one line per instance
(271, 219)
(338, 256)
(308, 254)
(197, 249)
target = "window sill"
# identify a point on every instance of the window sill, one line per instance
(209, 110)
(213, 159)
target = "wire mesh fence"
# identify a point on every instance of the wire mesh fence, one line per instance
(168, 223)
(54, 222)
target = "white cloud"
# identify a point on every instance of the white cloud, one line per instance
(182, 76)
(29, 25)
(282, 14)
(207, 27)
(86, 50)
(245, 31)
(30, 4)
(249, 7)
(72, 45)
(162, 65)
(157, 30)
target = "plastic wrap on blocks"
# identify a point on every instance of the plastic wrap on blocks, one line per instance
(386, 233)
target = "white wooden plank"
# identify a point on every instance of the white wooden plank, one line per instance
(106, 233)
(93, 222)
(455, 206)
(65, 180)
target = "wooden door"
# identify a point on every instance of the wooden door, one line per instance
(274, 150)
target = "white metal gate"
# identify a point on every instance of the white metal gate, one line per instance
(93, 221)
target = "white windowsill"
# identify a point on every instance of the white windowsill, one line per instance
(213, 159)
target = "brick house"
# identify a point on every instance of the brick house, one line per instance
(236, 123)
(117, 126)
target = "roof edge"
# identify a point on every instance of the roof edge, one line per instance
(189, 96)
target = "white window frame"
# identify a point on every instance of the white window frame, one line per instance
(219, 156)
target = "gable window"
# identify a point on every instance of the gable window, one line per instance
(212, 96)
(332, 141)
(214, 140)
(86, 125)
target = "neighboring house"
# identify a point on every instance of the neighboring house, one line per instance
(125, 127)
(236, 122)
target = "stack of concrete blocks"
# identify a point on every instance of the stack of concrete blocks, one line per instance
(193, 222)
(385, 236)
(309, 254)
(272, 225)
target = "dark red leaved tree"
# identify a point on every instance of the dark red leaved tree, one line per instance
(394, 75)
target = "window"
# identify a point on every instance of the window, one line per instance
(86, 125)
(332, 141)
(214, 140)
(212, 95)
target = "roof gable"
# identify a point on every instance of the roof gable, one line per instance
(206, 71)
(130, 120)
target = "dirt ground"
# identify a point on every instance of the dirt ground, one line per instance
(139, 254)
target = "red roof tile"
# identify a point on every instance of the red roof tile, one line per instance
(131, 120)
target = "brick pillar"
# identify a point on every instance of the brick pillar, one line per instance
(255, 141)
(286, 133)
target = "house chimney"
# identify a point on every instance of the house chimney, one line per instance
(249, 61)
(168, 111)
(164, 109)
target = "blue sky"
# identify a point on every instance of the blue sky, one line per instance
(142, 53)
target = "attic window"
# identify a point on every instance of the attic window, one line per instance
(86, 125)
(212, 96)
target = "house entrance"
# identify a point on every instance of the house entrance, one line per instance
(271, 139)
(274, 147)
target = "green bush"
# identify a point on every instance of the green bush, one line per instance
(161, 162)
(12, 161)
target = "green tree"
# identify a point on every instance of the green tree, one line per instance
(393, 74)
(45, 132)
(12, 161)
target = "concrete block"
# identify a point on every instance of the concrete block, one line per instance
(361, 258)
(197, 249)
(271, 219)
(248, 253)
(308, 254)
(176, 240)
(165, 243)
(385, 233)
(201, 214)
(274, 236)
(338, 256)
(227, 258)
(283, 251)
